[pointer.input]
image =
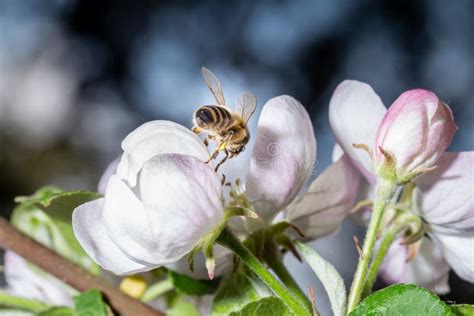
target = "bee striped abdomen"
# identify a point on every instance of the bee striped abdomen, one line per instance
(213, 117)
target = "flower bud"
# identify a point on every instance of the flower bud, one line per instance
(414, 132)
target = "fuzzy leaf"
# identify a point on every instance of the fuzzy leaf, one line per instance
(403, 299)
(57, 204)
(56, 235)
(237, 291)
(265, 306)
(190, 286)
(463, 310)
(329, 277)
(90, 303)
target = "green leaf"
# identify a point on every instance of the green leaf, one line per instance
(190, 286)
(238, 290)
(90, 303)
(35, 217)
(181, 307)
(57, 204)
(57, 311)
(265, 306)
(329, 277)
(402, 299)
(463, 310)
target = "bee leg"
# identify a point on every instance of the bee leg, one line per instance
(222, 161)
(196, 129)
(207, 139)
(213, 155)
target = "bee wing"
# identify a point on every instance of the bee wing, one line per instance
(246, 105)
(214, 85)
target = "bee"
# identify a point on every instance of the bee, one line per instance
(226, 127)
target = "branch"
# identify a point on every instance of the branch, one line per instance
(70, 273)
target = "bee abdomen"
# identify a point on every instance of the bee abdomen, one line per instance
(214, 117)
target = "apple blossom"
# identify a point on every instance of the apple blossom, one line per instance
(30, 282)
(416, 130)
(443, 199)
(158, 206)
(443, 196)
(282, 160)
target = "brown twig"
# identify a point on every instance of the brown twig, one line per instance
(78, 278)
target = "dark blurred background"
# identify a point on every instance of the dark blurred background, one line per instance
(77, 76)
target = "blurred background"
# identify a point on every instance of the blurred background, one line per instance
(77, 76)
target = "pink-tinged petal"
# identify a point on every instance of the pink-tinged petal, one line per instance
(416, 129)
(355, 112)
(90, 231)
(328, 201)
(29, 282)
(180, 203)
(445, 195)
(428, 268)
(224, 264)
(109, 171)
(154, 138)
(458, 250)
(283, 156)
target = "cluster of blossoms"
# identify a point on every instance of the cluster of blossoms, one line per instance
(161, 201)
(410, 142)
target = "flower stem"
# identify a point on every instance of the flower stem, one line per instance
(22, 303)
(156, 290)
(385, 244)
(384, 194)
(274, 260)
(228, 240)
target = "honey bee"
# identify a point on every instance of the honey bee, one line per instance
(226, 127)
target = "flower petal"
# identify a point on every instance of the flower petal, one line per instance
(416, 129)
(328, 201)
(180, 203)
(458, 249)
(154, 138)
(91, 234)
(283, 156)
(427, 269)
(444, 195)
(109, 171)
(25, 282)
(355, 112)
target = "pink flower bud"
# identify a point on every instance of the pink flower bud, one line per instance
(416, 130)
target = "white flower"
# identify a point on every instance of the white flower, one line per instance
(30, 282)
(282, 161)
(443, 198)
(157, 207)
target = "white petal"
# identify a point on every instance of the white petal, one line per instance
(458, 249)
(180, 203)
(154, 138)
(35, 284)
(93, 237)
(328, 201)
(283, 156)
(427, 269)
(445, 195)
(109, 171)
(355, 112)
(224, 264)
